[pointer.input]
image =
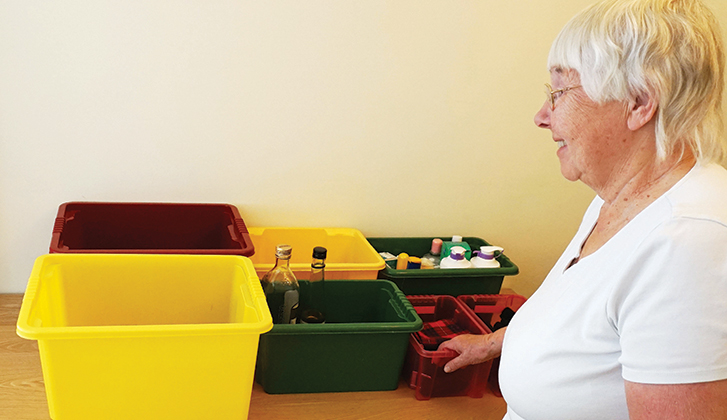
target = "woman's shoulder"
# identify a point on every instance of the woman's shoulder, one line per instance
(701, 194)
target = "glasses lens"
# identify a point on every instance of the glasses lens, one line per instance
(549, 95)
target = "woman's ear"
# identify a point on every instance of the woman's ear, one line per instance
(641, 110)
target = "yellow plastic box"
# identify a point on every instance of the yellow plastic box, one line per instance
(145, 336)
(350, 255)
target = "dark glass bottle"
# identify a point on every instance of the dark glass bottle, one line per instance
(314, 311)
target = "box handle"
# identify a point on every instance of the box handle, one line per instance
(241, 226)
(396, 304)
(233, 234)
(58, 225)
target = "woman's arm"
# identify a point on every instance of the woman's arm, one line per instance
(473, 349)
(704, 401)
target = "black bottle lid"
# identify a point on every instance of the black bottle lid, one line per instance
(320, 253)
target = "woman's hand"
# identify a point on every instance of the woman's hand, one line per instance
(473, 349)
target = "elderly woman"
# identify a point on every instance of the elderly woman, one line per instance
(632, 320)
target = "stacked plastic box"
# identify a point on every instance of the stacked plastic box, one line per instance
(146, 311)
(361, 347)
(424, 365)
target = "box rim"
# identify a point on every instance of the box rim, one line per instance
(377, 263)
(27, 331)
(238, 222)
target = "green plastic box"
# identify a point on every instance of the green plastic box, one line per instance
(361, 347)
(454, 282)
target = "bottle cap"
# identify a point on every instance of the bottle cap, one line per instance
(488, 252)
(414, 262)
(436, 246)
(456, 238)
(457, 253)
(402, 260)
(283, 251)
(320, 253)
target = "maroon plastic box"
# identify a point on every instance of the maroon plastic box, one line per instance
(488, 309)
(424, 369)
(150, 228)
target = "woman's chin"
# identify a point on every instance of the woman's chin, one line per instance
(568, 172)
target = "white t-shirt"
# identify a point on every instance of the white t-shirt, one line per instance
(649, 306)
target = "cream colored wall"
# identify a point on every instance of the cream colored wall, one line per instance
(396, 117)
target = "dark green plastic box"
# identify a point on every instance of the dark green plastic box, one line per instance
(361, 347)
(454, 282)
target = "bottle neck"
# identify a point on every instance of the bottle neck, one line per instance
(282, 262)
(317, 270)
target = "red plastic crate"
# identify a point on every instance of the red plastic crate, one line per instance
(488, 309)
(150, 228)
(424, 369)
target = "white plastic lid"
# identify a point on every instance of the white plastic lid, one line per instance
(488, 252)
(457, 253)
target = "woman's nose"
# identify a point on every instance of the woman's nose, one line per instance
(542, 117)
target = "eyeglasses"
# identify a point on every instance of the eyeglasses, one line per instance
(553, 95)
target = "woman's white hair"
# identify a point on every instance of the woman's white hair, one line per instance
(670, 49)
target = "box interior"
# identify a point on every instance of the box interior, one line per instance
(108, 292)
(148, 226)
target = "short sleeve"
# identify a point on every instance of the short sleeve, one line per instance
(670, 308)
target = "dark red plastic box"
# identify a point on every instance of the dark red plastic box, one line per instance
(150, 228)
(424, 369)
(488, 309)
